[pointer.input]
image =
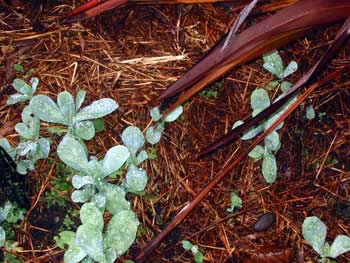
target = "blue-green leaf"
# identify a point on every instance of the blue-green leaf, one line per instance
(155, 114)
(136, 179)
(236, 202)
(72, 153)
(187, 245)
(66, 104)
(96, 110)
(35, 82)
(115, 158)
(79, 181)
(142, 156)
(21, 86)
(92, 216)
(84, 130)
(272, 141)
(74, 254)
(80, 99)
(115, 199)
(285, 86)
(43, 149)
(17, 98)
(90, 239)
(23, 130)
(198, 257)
(121, 231)
(172, 116)
(65, 238)
(269, 167)
(310, 113)
(154, 133)
(314, 232)
(273, 63)
(257, 153)
(81, 196)
(290, 69)
(133, 139)
(95, 170)
(340, 245)
(260, 99)
(46, 109)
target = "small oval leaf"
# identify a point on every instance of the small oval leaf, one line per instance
(96, 110)
(115, 158)
(269, 167)
(314, 232)
(340, 245)
(72, 153)
(133, 139)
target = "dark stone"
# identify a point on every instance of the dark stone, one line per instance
(264, 222)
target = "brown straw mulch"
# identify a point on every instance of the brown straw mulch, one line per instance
(134, 53)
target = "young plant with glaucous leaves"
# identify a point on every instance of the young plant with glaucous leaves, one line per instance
(315, 232)
(100, 196)
(260, 100)
(154, 133)
(67, 112)
(198, 255)
(236, 202)
(32, 147)
(10, 215)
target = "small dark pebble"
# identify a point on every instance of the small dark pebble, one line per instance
(264, 222)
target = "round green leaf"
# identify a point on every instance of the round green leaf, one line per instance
(272, 141)
(310, 113)
(285, 86)
(121, 231)
(80, 196)
(314, 232)
(133, 139)
(340, 245)
(257, 153)
(115, 158)
(269, 168)
(187, 245)
(97, 109)
(90, 239)
(154, 133)
(142, 156)
(198, 257)
(23, 130)
(43, 149)
(136, 179)
(273, 63)
(259, 99)
(115, 199)
(79, 181)
(74, 254)
(35, 82)
(72, 153)
(172, 116)
(46, 109)
(65, 238)
(84, 130)
(91, 215)
(155, 114)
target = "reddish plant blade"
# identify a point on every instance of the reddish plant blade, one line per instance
(237, 24)
(283, 27)
(340, 39)
(96, 7)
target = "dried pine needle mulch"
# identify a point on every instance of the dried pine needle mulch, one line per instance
(132, 54)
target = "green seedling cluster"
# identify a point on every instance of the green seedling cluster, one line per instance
(197, 254)
(10, 215)
(260, 100)
(315, 232)
(236, 202)
(93, 241)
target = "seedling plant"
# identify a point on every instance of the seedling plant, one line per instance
(260, 100)
(197, 254)
(93, 241)
(315, 232)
